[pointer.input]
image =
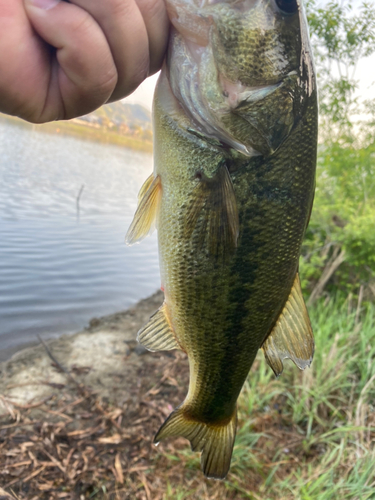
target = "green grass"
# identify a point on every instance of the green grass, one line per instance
(322, 440)
(307, 435)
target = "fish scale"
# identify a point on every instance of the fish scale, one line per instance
(231, 195)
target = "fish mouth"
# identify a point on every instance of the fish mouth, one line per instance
(217, 107)
(237, 93)
(208, 111)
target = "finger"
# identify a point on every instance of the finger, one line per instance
(86, 74)
(156, 20)
(125, 30)
(23, 62)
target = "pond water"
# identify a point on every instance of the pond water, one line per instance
(59, 267)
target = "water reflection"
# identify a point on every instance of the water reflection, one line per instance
(62, 257)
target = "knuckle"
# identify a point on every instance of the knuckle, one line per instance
(128, 84)
(155, 9)
(119, 8)
(83, 24)
(139, 73)
(107, 82)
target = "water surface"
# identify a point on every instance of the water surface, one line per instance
(59, 268)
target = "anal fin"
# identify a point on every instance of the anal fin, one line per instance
(158, 334)
(145, 217)
(292, 335)
(215, 441)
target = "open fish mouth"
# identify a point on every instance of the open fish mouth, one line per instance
(211, 100)
(230, 59)
(249, 94)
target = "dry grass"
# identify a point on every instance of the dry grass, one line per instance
(305, 436)
(78, 446)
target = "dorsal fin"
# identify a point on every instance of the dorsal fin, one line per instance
(292, 335)
(158, 334)
(145, 217)
(215, 204)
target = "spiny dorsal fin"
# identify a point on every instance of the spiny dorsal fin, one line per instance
(147, 211)
(215, 205)
(292, 336)
(214, 441)
(157, 334)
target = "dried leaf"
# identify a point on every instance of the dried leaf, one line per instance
(118, 468)
(115, 439)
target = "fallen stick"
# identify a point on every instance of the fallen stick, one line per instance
(61, 368)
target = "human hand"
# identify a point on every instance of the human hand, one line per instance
(59, 60)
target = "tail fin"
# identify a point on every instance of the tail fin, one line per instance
(214, 441)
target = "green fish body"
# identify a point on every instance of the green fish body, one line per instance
(235, 127)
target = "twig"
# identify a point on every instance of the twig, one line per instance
(17, 480)
(332, 265)
(79, 196)
(61, 368)
(5, 496)
(33, 405)
(11, 426)
(55, 461)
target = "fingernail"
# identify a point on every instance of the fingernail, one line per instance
(43, 4)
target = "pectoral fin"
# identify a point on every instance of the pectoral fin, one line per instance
(292, 336)
(214, 213)
(147, 211)
(158, 334)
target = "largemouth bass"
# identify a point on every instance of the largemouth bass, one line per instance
(235, 136)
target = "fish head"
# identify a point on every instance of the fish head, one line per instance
(255, 43)
(241, 69)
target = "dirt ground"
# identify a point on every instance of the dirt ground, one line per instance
(103, 357)
(78, 414)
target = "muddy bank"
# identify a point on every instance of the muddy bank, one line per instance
(79, 414)
(103, 357)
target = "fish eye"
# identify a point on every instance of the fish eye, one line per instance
(287, 6)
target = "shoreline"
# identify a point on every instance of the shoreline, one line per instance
(9, 352)
(73, 129)
(138, 311)
(106, 346)
(81, 411)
